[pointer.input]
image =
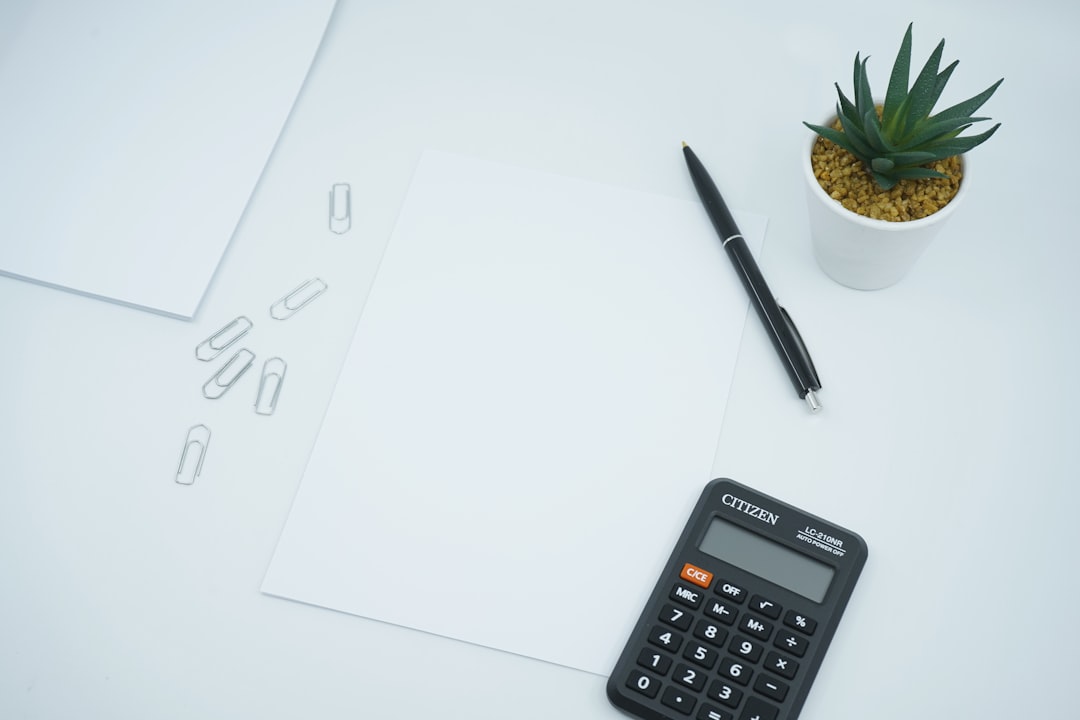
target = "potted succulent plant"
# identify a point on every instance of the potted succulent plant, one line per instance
(883, 176)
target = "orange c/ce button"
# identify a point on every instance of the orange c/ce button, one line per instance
(696, 575)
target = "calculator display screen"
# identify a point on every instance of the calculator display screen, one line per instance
(767, 559)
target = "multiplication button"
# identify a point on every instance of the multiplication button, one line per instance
(782, 666)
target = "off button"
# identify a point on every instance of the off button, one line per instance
(694, 574)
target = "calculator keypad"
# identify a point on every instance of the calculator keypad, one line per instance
(728, 655)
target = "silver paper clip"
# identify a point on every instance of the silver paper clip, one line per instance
(217, 343)
(340, 208)
(190, 467)
(292, 303)
(273, 375)
(227, 376)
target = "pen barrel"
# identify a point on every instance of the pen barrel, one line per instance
(710, 196)
(782, 331)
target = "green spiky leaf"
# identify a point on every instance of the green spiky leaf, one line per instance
(905, 137)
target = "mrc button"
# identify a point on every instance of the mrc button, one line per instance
(686, 595)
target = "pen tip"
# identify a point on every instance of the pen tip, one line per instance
(684, 144)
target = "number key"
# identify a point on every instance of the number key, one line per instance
(675, 617)
(701, 655)
(666, 639)
(690, 677)
(654, 661)
(725, 693)
(710, 632)
(745, 648)
(736, 669)
(642, 683)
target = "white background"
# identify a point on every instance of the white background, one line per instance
(133, 135)
(949, 437)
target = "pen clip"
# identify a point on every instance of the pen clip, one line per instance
(810, 383)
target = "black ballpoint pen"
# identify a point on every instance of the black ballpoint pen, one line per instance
(785, 337)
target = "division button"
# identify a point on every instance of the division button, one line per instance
(792, 643)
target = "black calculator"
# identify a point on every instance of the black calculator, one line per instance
(743, 613)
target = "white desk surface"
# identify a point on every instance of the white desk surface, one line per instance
(949, 438)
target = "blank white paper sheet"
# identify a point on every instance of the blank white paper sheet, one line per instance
(133, 135)
(527, 414)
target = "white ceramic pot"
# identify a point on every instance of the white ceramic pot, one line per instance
(861, 252)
